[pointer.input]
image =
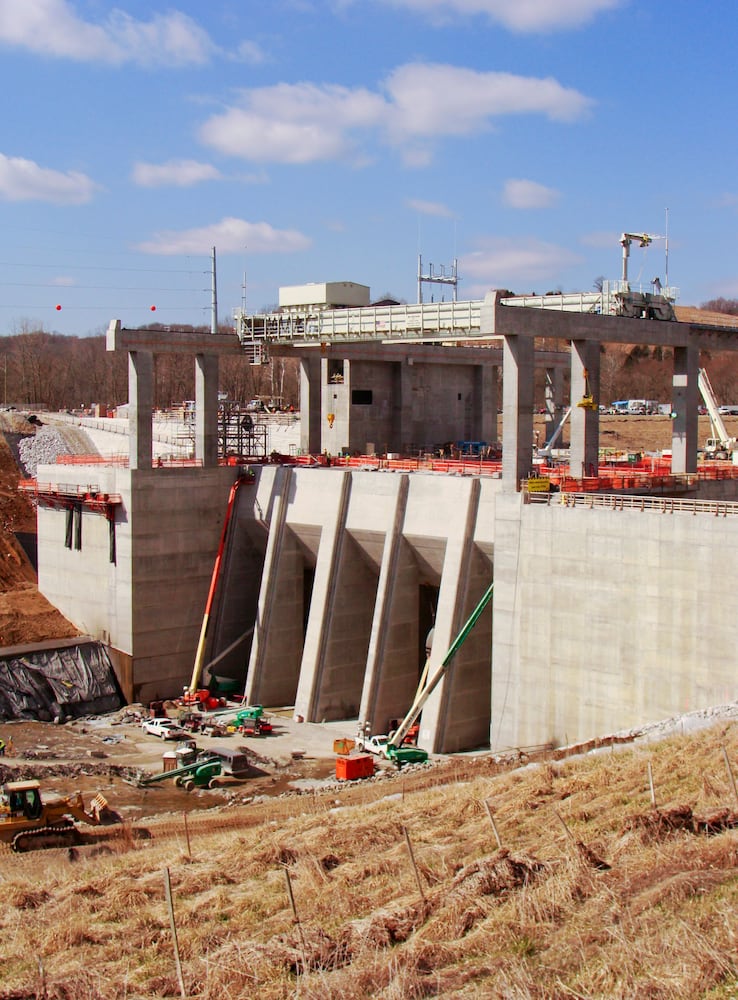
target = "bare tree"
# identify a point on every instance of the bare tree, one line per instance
(721, 305)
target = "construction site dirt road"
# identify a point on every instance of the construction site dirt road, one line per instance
(110, 753)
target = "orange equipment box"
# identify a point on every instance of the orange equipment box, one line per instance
(357, 766)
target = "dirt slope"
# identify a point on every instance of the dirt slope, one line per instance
(25, 615)
(401, 890)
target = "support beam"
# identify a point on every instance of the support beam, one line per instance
(140, 407)
(310, 427)
(206, 409)
(517, 410)
(323, 600)
(684, 399)
(585, 422)
(391, 676)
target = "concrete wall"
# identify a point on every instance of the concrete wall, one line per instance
(405, 406)
(608, 619)
(148, 605)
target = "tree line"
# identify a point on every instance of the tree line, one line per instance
(40, 369)
(59, 372)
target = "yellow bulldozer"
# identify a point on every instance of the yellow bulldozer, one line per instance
(28, 823)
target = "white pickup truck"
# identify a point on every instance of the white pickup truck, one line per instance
(381, 746)
(374, 744)
(167, 729)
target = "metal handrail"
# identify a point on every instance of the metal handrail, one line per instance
(617, 501)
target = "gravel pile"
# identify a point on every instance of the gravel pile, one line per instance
(43, 448)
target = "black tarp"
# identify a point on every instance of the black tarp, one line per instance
(58, 684)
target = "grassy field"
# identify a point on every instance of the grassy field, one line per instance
(401, 890)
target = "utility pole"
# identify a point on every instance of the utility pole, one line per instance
(214, 308)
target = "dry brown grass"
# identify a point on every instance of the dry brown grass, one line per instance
(539, 918)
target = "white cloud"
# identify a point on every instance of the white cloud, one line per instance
(305, 123)
(516, 15)
(294, 123)
(24, 180)
(518, 264)
(178, 173)
(432, 99)
(528, 194)
(228, 236)
(52, 27)
(251, 53)
(430, 208)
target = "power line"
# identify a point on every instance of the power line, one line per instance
(117, 288)
(99, 267)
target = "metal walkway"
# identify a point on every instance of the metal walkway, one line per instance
(428, 321)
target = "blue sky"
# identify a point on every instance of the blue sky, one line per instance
(334, 140)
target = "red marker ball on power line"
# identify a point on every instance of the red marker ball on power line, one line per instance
(58, 308)
(153, 309)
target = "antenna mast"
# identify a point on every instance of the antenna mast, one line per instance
(666, 251)
(437, 278)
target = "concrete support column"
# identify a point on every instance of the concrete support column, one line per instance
(206, 409)
(684, 401)
(323, 599)
(554, 400)
(275, 651)
(484, 414)
(585, 422)
(457, 714)
(517, 410)
(390, 680)
(140, 407)
(310, 441)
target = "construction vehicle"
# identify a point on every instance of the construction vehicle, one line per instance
(251, 721)
(28, 823)
(719, 445)
(200, 773)
(391, 747)
(381, 746)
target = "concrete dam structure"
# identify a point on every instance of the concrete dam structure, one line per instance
(608, 611)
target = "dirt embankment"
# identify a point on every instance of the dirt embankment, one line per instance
(25, 615)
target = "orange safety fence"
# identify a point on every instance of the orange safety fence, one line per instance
(119, 460)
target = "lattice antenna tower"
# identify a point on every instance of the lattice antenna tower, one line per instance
(437, 277)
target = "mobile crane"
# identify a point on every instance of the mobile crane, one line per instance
(641, 305)
(720, 445)
(391, 746)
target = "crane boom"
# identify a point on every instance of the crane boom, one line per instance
(424, 692)
(719, 431)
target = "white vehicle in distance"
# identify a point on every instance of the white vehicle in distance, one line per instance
(374, 744)
(167, 729)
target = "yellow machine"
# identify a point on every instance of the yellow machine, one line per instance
(28, 823)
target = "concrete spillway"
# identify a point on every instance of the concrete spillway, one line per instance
(605, 616)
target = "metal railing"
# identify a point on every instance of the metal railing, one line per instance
(421, 321)
(619, 502)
